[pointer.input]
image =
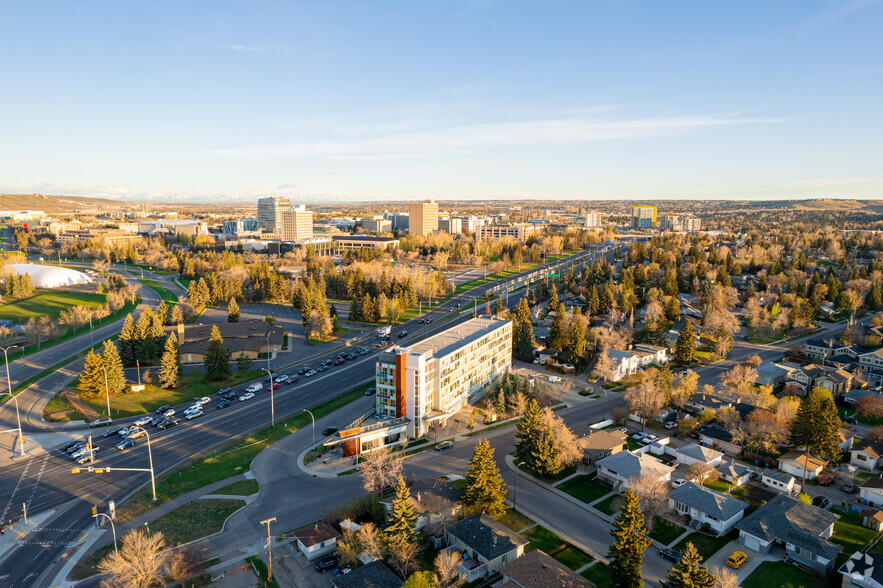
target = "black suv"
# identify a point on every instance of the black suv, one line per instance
(329, 431)
(328, 563)
(670, 555)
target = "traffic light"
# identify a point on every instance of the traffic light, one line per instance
(94, 511)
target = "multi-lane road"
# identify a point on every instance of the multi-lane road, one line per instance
(45, 483)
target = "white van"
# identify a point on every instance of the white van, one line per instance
(554, 379)
(256, 387)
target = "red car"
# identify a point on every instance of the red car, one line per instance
(824, 480)
(275, 387)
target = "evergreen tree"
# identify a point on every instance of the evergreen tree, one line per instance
(545, 460)
(143, 339)
(685, 348)
(110, 359)
(176, 317)
(522, 332)
(528, 432)
(401, 518)
(485, 491)
(689, 572)
(170, 365)
(92, 379)
(126, 341)
(575, 342)
(217, 358)
(233, 314)
(203, 293)
(630, 540)
(556, 331)
(243, 362)
(553, 296)
(157, 337)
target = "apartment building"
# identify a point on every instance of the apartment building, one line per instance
(240, 226)
(423, 217)
(270, 212)
(520, 231)
(377, 225)
(471, 223)
(400, 220)
(675, 221)
(593, 219)
(643, 217)
(451, 225)
(105, 236)
(430, 380)
(296, 223)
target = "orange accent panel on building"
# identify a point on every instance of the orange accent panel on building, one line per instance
(350, 447)
(401, 384)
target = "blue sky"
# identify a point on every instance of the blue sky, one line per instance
(337, 101)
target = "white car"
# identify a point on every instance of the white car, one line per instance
(136, 433)
(145, 420)
(169, 413)
(193, 415)
(280, 379)
(554, 379)
(678, 483)
(126, 431)
(256, 387)
(639, 436)
(671, 425)
(204, 400)
(310, 373)
(246, 396)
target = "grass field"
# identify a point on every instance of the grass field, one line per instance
(598, 574)
(47, 303)
(338, 332)
(226, 462)
(60, 404)
(243, 488)
(585, 488)
(849, 532)
(516, 521)
(551, 544)
(195, 519)
(163, 292)
(777, 574)
(721, 486)
(573, 557)
(126, 404)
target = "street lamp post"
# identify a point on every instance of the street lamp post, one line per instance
(112, 527)
(21, 438)
(106, 390)
(150, 458)
(314, 424)
(272, 405)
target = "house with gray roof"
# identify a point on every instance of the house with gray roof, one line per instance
(693, 453)
(374, 574)
(719, 438)
(781, 482)
(537, 570)
(734, 473)
(599, 444)
(800, 529)
(771, 374)
(718, 511)
(701, 401)
(863, 569)
(619, 468)
(867, 454)
(485, 545)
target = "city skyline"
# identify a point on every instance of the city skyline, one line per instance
(467, 100)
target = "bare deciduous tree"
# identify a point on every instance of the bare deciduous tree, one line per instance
(447, 574)
(348, 547)
(739, 379)
(653, 492)
(403, 556)
(380, 469)
(764, 430)
(728, 417)
(139, 563)
(619, 414)
(182, 561)
(724, 578)
(604, 366)
(700, 472)
(370, 541)
(646, 399)
(569, 451)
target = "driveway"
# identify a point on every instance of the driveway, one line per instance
(719, 559)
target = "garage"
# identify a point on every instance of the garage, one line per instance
(751, 542)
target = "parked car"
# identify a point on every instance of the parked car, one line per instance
(554, 379)
(824, 480)
(444, 446)
(650, 439)
(678, 483)
(144, 420)
(736, 559)
(850, 488)
(125, 443)
(820, 501)
(639, 436)
(670, 555)
(623, 430)
(102, 422)
(246, 396)
(223, 404)
(850, 420)
(162, 409)
(329, 431)
(223, 391)
(169, 423)
(194, 415)
(328, 563)
(671, 425)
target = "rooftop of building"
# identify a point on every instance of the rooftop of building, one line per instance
(366, 238)
(452, 339)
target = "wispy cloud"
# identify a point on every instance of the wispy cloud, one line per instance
(469, 138)
(244, 48)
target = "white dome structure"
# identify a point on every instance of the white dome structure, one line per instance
(47, 276)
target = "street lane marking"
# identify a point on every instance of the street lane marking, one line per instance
(81, 538)
(20, 535)
(23, 474)
(37, 481)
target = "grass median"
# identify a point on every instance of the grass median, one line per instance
(226, 462)
(163, 292)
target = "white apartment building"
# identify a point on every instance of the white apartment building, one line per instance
(423, 217)
(521, 231)
(592, 219)
(448, 224)
(270, 212)
(296, 224)
(431, 379)
(471, 223)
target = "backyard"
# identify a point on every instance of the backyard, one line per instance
(777, 574)
(849, 532)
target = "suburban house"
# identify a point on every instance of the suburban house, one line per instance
(628, 362)
(702, 401)
(857, 394)
(316, 540)
(721, 439)
(252, 337)
(692, 453)
(734, 473)
(704, 505)
(599, 444)
(618, 468)
(780, 481)
(871, 492)
(867, 455)
(847, 436)
(873, 519)
(863, 569)
(650, 354)
(535, 569)
(624, 363)
(802, 530)
(432, 502)
(374, 574)
(771, 374)
(794, 463)
(485, 544)
(835, 379)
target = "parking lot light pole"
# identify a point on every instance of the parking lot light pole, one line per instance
(21, 438)
(314, 424)
(272, 405)
(149, 457)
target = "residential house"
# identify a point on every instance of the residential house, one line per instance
(871, 492)
(847, 436)
(692, 453)
(780, 481)
(856, 394)
(734, 473)
(822, 348)
(650, 354)
(863, 569)
(624, 363)
(721, 439)
(771, 374)
(802, 530)
(433, 501)
(796, 462)
(570, 302)
(255, 338)
(599, 444)
(835, 379)
(535, 569)
(873, 519)
(701, 401)
(719, 511)
(316, 540)
(485, 544)
(619, 468)
(868, 455)
(374, 574)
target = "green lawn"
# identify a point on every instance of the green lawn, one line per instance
(47, 303)
(544, 539)
(609, 505)
(59, 404)
(777, 574)
(516, 520)
(226, 462)
(598, 574)
(196, 385)
(565, 472)
(339, 332)
(573, 557)
(665, 531)
(719, 485)
(243, 488)
(163, 292)
(849, 532)
(585, 488)
(195, 519)
(706, 545)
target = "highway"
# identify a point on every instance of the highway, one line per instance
(45, 482)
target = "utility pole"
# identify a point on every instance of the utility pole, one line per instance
(269, 548)
(21, 438)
